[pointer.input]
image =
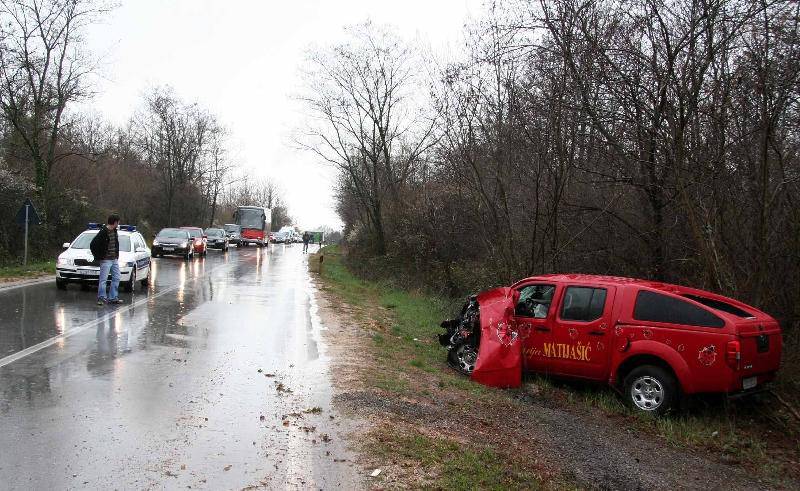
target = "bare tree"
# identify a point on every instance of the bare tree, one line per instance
(219, 168)
(247, 190)
(43, 68)
(647, 138)
(174, 139)
(367, 122)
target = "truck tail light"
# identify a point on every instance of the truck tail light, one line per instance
(733, 354)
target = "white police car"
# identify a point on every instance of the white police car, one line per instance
(77, 265)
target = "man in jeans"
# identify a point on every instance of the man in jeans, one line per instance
(105, 248)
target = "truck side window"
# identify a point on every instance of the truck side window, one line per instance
(534, 301)
(583, 303)
(655, 307)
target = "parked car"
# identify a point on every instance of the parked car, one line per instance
(234, 232)
(284, 235)
(77, 265)
(217, 239)
(199, 239)
(173, 241)
(652, 341)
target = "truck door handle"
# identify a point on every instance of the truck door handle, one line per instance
(596, 333)
(542, 329)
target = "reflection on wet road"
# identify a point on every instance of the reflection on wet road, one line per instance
(200, 381)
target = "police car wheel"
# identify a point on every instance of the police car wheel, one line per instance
(130, 285)
(61, 284)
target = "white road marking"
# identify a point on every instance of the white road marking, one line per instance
(73, 331)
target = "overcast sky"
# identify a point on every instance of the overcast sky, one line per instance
(242, 60)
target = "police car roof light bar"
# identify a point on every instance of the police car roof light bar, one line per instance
(126, 228)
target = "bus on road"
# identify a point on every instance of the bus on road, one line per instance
(254, 222)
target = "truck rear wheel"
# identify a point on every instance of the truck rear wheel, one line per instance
(651, 389)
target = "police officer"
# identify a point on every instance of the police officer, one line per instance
(105, 249)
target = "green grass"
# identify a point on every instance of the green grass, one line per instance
(450, 465)
(407, 342)
(32, 269)
(406, 347)
(411, 321)
(340, 281)
(412, 318)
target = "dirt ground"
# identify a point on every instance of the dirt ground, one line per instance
(559, 445)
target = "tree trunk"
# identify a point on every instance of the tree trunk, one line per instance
(170, 200)
(213, 207)
(377, 224)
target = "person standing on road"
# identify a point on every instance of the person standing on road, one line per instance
(105, 249)
(306, 239)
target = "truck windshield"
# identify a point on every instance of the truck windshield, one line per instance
(251, 218)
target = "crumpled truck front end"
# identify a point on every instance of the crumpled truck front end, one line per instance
(483, 342)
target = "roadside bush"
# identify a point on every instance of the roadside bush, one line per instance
(13, 191)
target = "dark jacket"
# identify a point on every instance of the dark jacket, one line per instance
(99, 245)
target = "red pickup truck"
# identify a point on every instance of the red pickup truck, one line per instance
(653, 341)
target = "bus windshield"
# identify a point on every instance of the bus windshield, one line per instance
(250, 218)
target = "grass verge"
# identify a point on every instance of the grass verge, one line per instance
(409, 370)
(31, 270)
(410, 366)
(751, 433)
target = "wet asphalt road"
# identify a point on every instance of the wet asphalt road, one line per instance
(165, 391)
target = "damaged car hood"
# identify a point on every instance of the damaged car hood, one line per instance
(499, 362)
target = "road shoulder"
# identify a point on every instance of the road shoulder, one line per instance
(16, 282)
(422, 425)
(429, 427)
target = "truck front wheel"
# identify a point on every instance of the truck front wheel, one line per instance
(463, 358)
(651, 389)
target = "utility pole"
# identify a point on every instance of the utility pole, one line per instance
(27, 215)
